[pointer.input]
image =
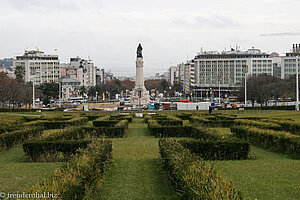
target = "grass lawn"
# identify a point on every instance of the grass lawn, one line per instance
(136, 172)
(269, 176)
(17, 174)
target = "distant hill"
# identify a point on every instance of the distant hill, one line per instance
(6, 62)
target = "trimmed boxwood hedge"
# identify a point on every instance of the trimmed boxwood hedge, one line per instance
(275, 140)
(58, 124)
(218, 149)
(104, 122)
(158, 130)
(42, 150)
(212, 121)
(11, 139)
(194, 178)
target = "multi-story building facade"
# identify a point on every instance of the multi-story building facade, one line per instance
(86, 71)
(228, 69)
(100, 76)
(173, 73)
(291, 61)
(81, 70)
(187, 76)
(38, 67)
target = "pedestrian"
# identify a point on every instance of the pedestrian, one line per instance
(210, 109)
(197, 107)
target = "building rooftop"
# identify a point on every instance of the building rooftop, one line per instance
(250, 53)
(67, 79)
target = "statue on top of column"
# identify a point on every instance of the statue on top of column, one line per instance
(139, 51)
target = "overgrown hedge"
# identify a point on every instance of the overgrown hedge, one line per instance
(218, 149)
(11, 139)
(45, 150)
(211, 121)
(184, 116)
(194, 178)
(80, 178)
(286, 125)
(275, 140)
(258, 124)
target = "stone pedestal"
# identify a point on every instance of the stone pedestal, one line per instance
(139, 96)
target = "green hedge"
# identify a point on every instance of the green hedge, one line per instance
(184, 116)
(262, 108)
(170, 122)
(44, 150)
(211, 121)
(194, 178)
(158, 130)
(258, 124)
(80, 178)
(275, 140)
(117, 131)
(104, 123)
(58, 124)
(218, 150)
(286, 125)
(11, 139)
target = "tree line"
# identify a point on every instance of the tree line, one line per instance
(262, 88)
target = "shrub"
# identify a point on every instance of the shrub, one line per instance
(286, 125)
(218, 149)
(44, 150)
(184, 116)
(194, 178)
(80, 178)
(270, 139)
(170, 122)
(258, 124)
(11, 139)
(212, 121)
(104, 121)
(158, 130)
(58, 124)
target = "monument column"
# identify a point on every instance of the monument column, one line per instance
(140, 96)
(139, 73)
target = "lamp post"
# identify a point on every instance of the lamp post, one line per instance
(33, 93)
(245, 89)
(296, 51)
(297, 84)
(33, 75)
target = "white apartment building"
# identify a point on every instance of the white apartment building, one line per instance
(81, 70)
(228, 68)
(38, 66)
(187, 76)
(172, 74)
(291, 61)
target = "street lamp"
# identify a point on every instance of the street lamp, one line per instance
(296, 51)
(33, 76)
(245, 89)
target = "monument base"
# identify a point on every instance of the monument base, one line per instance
(139, 97)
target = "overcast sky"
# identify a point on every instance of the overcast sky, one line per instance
(171, 31)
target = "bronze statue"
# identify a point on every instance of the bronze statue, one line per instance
(139, 51)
